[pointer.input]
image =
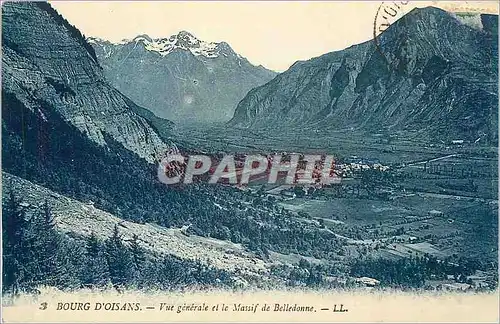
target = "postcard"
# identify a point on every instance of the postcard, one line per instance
(249, 161)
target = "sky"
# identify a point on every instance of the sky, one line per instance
(274, 34)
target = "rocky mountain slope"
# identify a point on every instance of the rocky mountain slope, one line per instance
(433, 72)
(49, 68)
(180, 78)
(79, 219)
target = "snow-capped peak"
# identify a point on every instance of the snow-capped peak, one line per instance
(182, 40)
(95, 40)
(186, 39)
(100, 41)
(139, 38)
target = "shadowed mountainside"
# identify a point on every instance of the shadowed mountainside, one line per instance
(433, 74)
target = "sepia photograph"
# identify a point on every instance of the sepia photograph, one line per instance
(249, 161)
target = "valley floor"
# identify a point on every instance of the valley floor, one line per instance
(433, 213)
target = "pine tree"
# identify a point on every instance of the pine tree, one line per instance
(93, 245)
(137, 252)
(138, 260)
(14, 226)
(119, 259)
(95, 272)
(70, 263)
(46, 248)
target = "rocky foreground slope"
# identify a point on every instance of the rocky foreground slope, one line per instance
(433, 72)
(79, 220)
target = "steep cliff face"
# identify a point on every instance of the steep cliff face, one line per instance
(180, 78)
(432, 72)
(48, 65)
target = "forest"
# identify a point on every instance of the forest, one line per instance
(35, 254)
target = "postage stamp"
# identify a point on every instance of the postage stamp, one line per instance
(249, 161)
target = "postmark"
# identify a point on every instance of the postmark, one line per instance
(386, 14)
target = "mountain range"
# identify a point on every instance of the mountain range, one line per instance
(180, 78)
(432, 73)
